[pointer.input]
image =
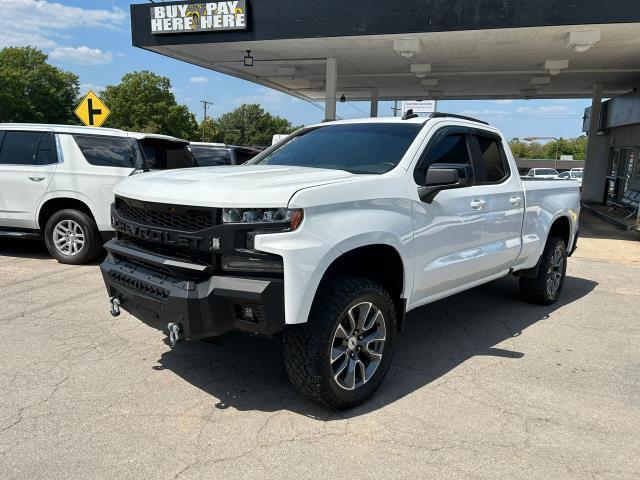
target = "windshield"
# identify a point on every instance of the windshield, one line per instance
(546, 171)
(576, 174)
(357, 148)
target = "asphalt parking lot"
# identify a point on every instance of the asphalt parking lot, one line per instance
(482, 386)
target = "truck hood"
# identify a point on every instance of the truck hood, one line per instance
(239, 186)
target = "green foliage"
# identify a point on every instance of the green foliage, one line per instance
(209, 131)
(31, 90)
(143, 102)
(566, 146)
(249, 124)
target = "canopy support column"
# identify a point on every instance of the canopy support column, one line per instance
(331, 87)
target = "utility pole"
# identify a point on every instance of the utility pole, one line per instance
(205, 104)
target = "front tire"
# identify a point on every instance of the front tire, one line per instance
(545, 288)
(72, 237)
(342, 354)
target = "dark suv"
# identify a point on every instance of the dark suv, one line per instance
(213, 154)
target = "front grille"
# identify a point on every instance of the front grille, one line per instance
(140, 286)
(195, 256)
(161, 215)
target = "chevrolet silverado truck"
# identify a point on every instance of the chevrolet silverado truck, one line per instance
(329, 237)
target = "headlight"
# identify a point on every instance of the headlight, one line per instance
(291, 216)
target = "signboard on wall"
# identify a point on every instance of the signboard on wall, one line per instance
(189, 17)
(419, 106)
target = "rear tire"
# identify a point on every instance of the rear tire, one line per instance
(342, 354)
(545, 288)
(72, 237)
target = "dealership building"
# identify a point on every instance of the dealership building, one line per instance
(421, 49)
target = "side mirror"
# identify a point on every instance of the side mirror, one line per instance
(443, 177)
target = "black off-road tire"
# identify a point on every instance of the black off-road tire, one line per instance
(536, 289)
(92, 242)
(307, 346)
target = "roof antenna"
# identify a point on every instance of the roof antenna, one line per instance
(409, 114)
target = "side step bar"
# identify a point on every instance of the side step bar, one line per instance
(11, 234)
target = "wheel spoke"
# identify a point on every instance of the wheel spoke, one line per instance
(350, 376)
(363, 313)
(337, 352)
(352, 321)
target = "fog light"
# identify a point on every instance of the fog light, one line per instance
(248, 315)
(245, 264)
(215, 243)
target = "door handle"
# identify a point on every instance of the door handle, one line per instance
(515, 200)
(36, 178)
(477, 204)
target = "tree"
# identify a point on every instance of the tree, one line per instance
(143, 102)
(31, 90)
(209, 130)
(249, 124)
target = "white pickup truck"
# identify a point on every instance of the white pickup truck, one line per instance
(330, 236)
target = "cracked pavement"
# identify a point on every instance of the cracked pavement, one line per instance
(483, 386)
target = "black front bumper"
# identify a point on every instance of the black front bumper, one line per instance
(204, 308)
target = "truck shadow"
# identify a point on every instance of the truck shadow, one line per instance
(23, 248)
(247, 373)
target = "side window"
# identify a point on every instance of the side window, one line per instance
(449, 149)
(210, 157)
(19, 148)
(244, 156)
(494, 160)
(107, 151)
(47, 154)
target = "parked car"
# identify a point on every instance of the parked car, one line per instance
(544, 173)
(572, 175)
(213, 154)
(330, 238)
(278, 137)
(57, 181)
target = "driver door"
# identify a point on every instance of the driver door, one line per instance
(449, 232)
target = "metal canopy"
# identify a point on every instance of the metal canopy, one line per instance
(428, 49)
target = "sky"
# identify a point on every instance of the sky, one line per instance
(92, 38)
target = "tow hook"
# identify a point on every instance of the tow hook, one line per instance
(115, 306)
(175, 331)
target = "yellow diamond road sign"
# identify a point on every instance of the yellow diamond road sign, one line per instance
(92, 111)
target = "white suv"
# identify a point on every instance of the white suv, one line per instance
(58, 181)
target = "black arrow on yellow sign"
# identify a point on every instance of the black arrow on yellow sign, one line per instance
(92, 111)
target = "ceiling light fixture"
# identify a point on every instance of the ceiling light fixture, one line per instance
(420, 69)
(248, 59)
(583, 40)
(555, 67)
(407, 47)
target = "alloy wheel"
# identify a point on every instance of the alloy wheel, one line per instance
(555, 272)
(358, 344)
(68, 237)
